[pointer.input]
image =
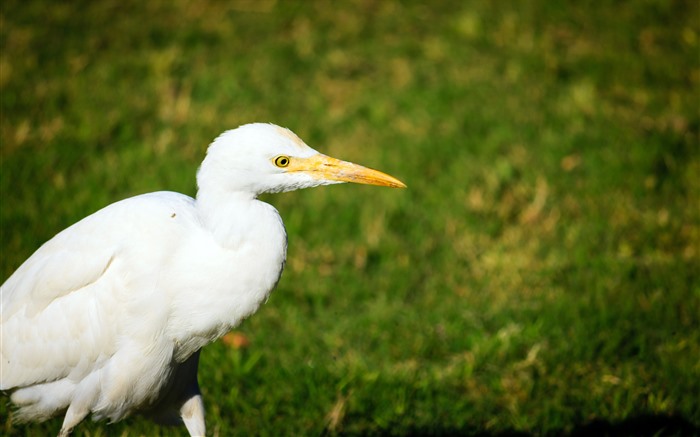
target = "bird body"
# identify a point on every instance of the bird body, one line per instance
(108, 317)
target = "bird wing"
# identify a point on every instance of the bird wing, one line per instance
(64, 264)
(61, 309)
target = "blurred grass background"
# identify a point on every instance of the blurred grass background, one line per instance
(540, 275)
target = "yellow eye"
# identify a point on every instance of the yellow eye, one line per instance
(282, 161)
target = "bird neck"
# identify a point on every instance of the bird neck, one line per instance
(227, 215)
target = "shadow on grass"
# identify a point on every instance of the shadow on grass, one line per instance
(639, 426)
(645, 425)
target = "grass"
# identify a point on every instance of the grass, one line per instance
(541, 274)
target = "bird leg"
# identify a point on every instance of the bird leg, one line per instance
(192, 413)
(72, 418)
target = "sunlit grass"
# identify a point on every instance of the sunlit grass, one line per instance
(541, 272)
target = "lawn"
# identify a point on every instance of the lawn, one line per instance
(541, 273)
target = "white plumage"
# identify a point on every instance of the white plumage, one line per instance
(108, 317)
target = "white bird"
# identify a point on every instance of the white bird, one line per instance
(108, 317)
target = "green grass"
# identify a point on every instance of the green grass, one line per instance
(541, 274)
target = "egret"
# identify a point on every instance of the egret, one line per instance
(109, 316)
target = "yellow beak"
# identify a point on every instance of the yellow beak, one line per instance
(324, 167)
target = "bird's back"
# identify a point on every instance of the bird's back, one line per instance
(77, 315)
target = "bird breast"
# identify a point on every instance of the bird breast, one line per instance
(219, 277)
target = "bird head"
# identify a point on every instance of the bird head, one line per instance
(264, 158)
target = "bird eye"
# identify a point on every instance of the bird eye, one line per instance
(282, 161)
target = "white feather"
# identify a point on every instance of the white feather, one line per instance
(108, 317)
